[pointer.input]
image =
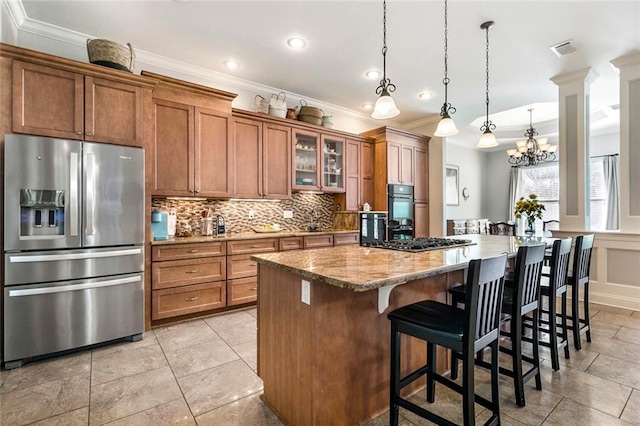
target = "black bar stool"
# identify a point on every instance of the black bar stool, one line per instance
(579, 276)
(465, 331)
(554, 284)
(521, 297)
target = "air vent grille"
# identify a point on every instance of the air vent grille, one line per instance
(563, 48)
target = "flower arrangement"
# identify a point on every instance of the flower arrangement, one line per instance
(531, 208)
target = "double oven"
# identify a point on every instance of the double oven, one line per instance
(400, 204)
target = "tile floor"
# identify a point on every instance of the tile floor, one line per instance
(203, 372)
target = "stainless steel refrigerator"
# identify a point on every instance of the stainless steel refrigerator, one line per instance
(73, 245)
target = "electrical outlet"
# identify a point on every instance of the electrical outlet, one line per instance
(306, 292)
(288, 214)
(251, 214)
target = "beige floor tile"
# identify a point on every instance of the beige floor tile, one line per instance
(236, 328)
(149, 339)
(246, 411)
(610, 309)
(629, 335)
(28, 405)
(184, 334)
(174, 413)
(218, 386)
(612, 347)
(383, 420)
(72, 418)
(617, 319)
(579, 360)
(636, 314)
(596, 392)
(508, 420)
(631, 412)
(3, 375)
(222, 321)
(132, 394)
(199, 357)
(248, 352)
(47, 370)
(617, 370)
(253, 312)
(118, 364)
(603, 328)
(570, 413)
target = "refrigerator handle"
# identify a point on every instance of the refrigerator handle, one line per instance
(73, 194)
(89, 192)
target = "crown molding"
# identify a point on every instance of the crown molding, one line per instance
(588, 75)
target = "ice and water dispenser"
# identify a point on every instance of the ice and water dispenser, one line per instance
(41, 212)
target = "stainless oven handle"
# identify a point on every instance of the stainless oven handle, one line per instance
(73, 194)
(73, 287)
(73, 256)
(89, 193)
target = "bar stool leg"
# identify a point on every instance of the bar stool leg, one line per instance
(468, 397)
(394, 410)
(495, 377)
(553, 335)
(516, 348)
(431, 362)
(563, 319)
(575, 315)
(586, 310)
(536, 351)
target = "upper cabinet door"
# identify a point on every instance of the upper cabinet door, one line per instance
(394, 162)
(47, 101)
(333, 163)
(173, 149)
(213, 157)
(247, 158)
(276, 151)
(307, 162)
(113, 112)
(407, 168)
(421, 180)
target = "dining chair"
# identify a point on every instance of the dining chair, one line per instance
(502, 228)
(465, 331)
(550, 225)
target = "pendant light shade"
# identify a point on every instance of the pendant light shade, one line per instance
(385, 105)
(488, 139)
(446, 126)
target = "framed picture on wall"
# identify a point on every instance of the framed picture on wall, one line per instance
(451, 185)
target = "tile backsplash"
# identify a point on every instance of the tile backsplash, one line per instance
(236, 213)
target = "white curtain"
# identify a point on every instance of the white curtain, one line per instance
(611, 181)
(513, 192)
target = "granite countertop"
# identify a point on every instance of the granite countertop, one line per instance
(249, 235)
(359, 268)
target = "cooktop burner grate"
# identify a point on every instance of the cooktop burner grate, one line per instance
(420, 244)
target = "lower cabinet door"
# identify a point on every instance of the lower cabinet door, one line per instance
(344, 239)
(186, 300)
(242, 290)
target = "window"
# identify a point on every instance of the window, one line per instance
(598, 196)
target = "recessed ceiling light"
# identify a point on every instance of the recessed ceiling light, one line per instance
(232, 65)
(367, 106)
(373, 74)
(297, 43)
(425, 95)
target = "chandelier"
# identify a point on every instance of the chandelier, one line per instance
(532, 151)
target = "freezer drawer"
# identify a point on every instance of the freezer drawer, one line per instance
(57, 265)
(45, 318)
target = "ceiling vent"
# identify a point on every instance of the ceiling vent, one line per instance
(563, 48)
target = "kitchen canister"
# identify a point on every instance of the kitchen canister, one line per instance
(277, 106)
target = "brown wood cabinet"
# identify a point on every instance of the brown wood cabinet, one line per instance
(178, 301)
(358, 176)
(318, 241)
(421, 219)
(57, 102)
(261, 159)
(291, 243)
(345, 239)
(242, 281)
(192, 147)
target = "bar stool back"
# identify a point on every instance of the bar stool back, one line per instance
(579, 276)
(465, 331)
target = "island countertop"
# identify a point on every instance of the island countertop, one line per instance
(361, 269)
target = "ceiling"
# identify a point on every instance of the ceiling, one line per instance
(345, 40)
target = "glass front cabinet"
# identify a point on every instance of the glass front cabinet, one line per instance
(318, 162)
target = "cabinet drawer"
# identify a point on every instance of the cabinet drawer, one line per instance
(344, 239)
(252, 246)
(185, 300)
(317, 241)
(242, 290)
(241, 266)
(291, 243)
(187, 251)
(176, 273)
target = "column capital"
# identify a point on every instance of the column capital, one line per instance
(632, 58)
(588, 75)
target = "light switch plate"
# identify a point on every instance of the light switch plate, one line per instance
(306, 292)
(288, 214)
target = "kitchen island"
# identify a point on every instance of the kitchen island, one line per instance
(323, 334)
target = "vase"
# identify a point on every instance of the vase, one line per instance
(531, 225)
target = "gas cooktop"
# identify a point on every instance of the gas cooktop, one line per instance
(420, 244)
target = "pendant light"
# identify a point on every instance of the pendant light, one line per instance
(446, 126)
(488, 139)
(385, 105)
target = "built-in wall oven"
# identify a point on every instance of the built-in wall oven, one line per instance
(400, 203)
(73, 245)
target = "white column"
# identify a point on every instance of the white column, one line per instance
(629, 66)
(573, 147)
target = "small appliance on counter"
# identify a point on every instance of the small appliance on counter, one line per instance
(171, 223)
(221, 227)
(373, 227)
(159, 225)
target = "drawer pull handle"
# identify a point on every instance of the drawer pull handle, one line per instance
(252, 264)
(291, 244)
(191, 299)
(254, 289)
(192, 251)
(255, 246)
(193, 271)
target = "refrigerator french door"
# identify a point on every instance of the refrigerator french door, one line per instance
(73, 247)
